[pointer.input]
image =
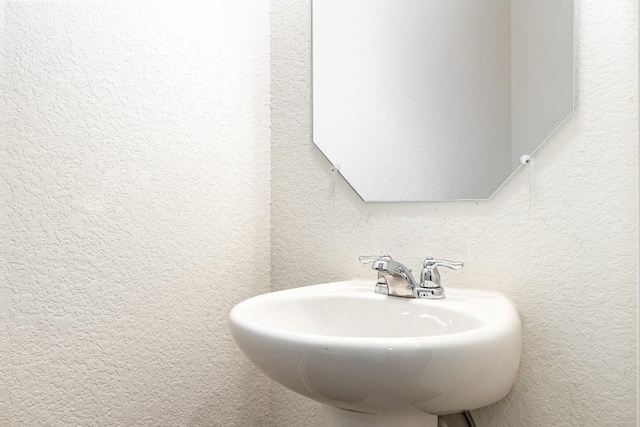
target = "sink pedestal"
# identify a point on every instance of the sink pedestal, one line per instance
(334, 417)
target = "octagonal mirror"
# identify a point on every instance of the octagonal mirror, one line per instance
(418, 100)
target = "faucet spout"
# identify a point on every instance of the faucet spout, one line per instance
(393, 277)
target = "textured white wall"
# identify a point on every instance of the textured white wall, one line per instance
(135, 189)
(560, 238)
(135, 211)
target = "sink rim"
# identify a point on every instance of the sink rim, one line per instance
(492, 326)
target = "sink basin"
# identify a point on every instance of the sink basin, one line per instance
(349, 348)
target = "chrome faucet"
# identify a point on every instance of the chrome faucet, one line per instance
(396, 280)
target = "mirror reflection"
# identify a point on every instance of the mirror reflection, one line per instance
(418, 100)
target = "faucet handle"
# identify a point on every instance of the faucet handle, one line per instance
(431, 263)
(430, 276)
(373, 258)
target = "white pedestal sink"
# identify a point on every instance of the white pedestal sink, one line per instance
(376, 360)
